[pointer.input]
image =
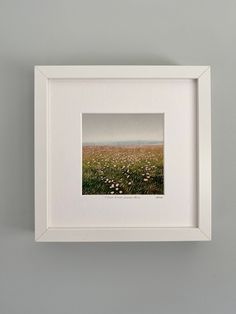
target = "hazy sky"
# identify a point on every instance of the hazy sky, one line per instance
(122, 127)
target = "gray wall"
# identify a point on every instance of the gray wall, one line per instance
(113, 278)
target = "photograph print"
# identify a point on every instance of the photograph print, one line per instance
(122, 154)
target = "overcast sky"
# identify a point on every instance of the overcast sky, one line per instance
(122, 127)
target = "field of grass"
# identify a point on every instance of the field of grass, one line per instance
(111, 170)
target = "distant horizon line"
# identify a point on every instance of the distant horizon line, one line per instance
(139, 142)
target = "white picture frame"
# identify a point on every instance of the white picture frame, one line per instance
(46, 233)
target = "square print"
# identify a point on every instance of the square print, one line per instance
(122, 154)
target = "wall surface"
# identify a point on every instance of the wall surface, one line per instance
(113, 278)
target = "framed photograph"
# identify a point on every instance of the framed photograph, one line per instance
(122, 153)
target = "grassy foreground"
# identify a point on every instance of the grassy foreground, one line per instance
(123, 170)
